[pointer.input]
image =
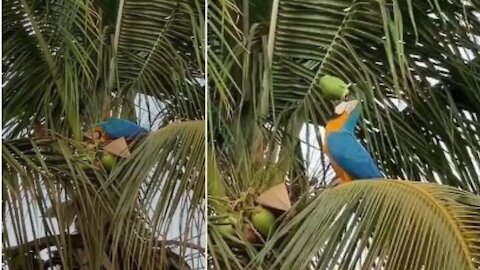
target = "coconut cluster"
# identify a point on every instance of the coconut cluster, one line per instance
(262, 219)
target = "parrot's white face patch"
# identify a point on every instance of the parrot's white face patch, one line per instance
(348, 106)
(351, 105)
(340, 108)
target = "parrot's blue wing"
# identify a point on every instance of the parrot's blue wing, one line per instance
(351, 156)
(117, 128)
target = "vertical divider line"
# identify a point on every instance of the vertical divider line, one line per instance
(205, 40)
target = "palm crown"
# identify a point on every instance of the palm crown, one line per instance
(413, 65)
(67, 65)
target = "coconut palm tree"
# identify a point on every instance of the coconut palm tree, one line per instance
(67, 65)
(413, 65)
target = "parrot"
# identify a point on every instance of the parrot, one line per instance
(115, 128)
(349, 159)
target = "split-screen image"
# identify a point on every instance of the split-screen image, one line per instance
(240, 134)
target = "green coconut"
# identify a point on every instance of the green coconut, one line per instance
(263, 220)
(333, 88)
(108, 161)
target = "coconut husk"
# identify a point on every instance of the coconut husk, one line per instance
(276, 197)
(118, 147)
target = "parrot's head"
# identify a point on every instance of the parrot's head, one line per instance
(99, 133)
(342, 114)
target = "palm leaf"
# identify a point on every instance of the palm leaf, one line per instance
(39, 176)
(162, 181)
(156, 54)
(47, 52)
(138, 206)
(386, 224)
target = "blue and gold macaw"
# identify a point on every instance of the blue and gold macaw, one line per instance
(115, 128)
(349, 159)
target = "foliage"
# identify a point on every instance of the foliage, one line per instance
(367, 224)
(414, 66)
(68, 64)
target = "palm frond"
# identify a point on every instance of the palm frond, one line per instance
(48, 50)
(161, 187)
(381, 224)
(42, 178)
(156, 55)
(147, 212)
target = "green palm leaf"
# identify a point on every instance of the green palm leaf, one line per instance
(156, 55)
(387, 224)
(48, 50)
(144, 196)
(40, 177)
(163, 179)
